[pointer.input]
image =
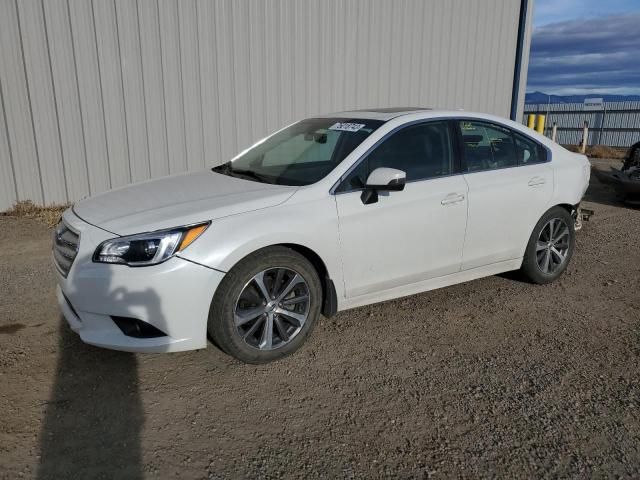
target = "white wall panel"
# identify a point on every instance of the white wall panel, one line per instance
(44, 112)
(209, 82)
(153, 77)
(128, 29)
(272, 60)
(17, 105)
(173, 93)
(241, 81)
(98, 93)
(17, 114)
(67, 101)
(225, 76)
(257, 69)
(8, 191)
(115, 120)
(190, 69)
(87, 73)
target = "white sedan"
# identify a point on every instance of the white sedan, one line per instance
(327, 214)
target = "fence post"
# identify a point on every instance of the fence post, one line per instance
(540, 124)
(604, 116)
(554, 132)
(585, 137)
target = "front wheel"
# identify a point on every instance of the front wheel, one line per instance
(550, 247)
(266, 306)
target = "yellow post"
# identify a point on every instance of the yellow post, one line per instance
(540, 124)
(531, 120)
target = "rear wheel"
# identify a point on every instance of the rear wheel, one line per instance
(266, 306)
(550, 246)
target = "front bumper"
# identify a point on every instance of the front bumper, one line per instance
(174, 297)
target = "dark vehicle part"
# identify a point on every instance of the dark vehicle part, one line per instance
(579, 215)
(625, 181)
(632, 158)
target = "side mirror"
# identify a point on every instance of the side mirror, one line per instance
(383, 180)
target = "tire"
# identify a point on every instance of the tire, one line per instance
(240, 305)
(540, 245)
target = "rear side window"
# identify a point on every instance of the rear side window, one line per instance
(486, 146)
(529, 151)
(422, 151)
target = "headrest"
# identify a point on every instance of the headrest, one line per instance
(472, 138)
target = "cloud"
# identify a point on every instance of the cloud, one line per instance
(550, 11)
(597, 55)
(553, 11)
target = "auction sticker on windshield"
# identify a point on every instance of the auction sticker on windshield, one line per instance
(346, 127)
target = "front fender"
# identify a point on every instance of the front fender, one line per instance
(312, 224)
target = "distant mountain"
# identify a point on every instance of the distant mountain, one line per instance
(540, 97)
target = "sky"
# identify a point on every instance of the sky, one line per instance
(585, 46)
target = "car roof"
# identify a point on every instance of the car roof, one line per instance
(383, 113)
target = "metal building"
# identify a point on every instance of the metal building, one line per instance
(98, 94)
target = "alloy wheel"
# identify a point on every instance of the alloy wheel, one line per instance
(552, 246)
(272, 308)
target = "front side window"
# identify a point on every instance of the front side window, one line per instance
(301, 154)
(486, 146)
(422, 151)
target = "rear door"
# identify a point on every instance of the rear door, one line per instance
(410, 235)
(510, 187)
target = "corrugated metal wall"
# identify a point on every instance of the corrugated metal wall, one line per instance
(97, 94)
(616, 125)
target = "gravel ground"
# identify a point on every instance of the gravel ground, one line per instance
(492, 378)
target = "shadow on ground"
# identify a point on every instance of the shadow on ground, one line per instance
(94, 415)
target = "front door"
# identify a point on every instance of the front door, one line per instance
(406, 236)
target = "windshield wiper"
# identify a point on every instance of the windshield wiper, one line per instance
(227, 169)
(251, 175)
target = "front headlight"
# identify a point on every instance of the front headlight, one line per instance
(148, 248)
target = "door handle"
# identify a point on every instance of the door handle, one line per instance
(536, 182)
(452, 198)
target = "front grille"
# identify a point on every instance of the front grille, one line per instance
(65, 247)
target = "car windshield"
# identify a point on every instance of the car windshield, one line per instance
(302, 153)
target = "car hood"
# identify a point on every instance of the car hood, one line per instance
(177, 200)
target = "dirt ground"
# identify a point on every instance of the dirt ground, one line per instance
(492, 378)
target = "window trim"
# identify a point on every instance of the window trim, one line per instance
(455, 154)
(512, 132)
